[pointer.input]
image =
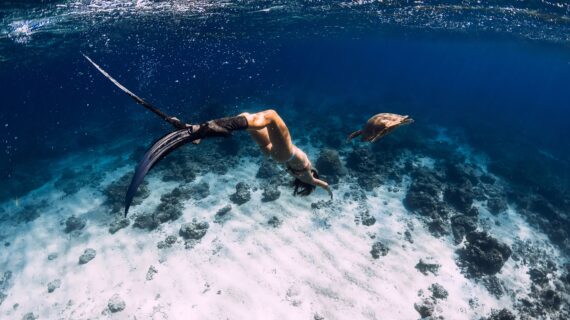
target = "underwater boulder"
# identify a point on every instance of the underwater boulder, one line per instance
(460, 197)
(438, 292)
(199, 191)
(53, 285)
(150, 273)
(503, 314)
(437, 226)
(462, 225)
(497, 205)
(329, 166)
(167, 242)
(365, 217)
(116, 304)
(379, 249)
(425, 308)
(167, 211)
(550, 299)
(428, 265)
(222, 214)
(88, 255)
(493, 285)
(423, 194)
(30, 316)
(74, 223)
(483, 255)
(5, 284)
(361, 160)
(194, 230)
(118, 224)
(274, 222)
(242, 194)
(268, 170)
(270, 193)
(145, 221)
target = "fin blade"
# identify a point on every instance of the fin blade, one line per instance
(157, 151)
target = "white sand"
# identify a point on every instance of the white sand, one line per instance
(244, 268)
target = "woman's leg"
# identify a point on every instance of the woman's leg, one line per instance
(270, 133)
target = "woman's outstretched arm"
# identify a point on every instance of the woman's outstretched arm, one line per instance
(324, 185)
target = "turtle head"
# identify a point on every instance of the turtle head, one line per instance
(407, 120)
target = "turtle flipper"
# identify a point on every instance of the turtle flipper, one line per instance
(354, 135)
(380, 134)
(159, 150)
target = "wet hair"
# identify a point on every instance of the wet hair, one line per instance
(304, 189)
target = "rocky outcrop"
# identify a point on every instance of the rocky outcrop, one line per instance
(115, 194)
(329, 166)
(88, 255)
(116, 304)
(423, 194)
(503, 314)
(30, 316)
(462, 225)
(268, 170)
(222, 214)
(199, 191)
(55, 284)
(428, 265)
(150, 273)
(169, 209)
(438, 292)
(194, 230)
(74, 223)
(5, 284)
(497, 205)
(482, 255)
(118, 224)
(379, 249)
(460, 197)
(270, 193)
(242, 194)
(274, 222)
(168, 242)
(425, 308)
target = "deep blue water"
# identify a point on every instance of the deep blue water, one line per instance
(503, 80)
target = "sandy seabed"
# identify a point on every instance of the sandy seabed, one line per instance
(316, 263)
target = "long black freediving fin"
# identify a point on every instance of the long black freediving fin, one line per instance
(175, 122)
(159, 150)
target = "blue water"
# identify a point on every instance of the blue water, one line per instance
(494, 73)
(499, 71)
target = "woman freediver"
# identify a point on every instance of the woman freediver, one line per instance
(266, 128)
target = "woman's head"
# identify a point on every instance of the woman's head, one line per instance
(302, 188)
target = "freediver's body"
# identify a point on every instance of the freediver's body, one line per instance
(266, 128)
(272, 136)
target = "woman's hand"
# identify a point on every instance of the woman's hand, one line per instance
(324, 185)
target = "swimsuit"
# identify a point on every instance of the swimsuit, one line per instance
(296, 172)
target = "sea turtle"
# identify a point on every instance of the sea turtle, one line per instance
(380, 125)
